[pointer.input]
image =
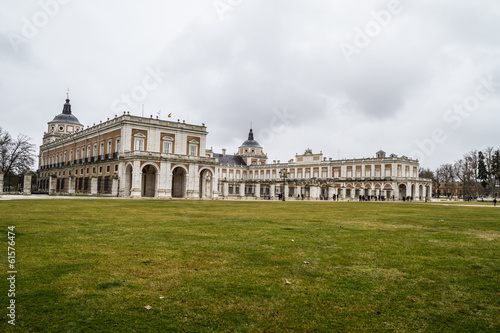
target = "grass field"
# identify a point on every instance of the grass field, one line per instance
(94, 265)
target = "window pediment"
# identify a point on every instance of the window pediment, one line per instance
(168, 138)
(139, 135)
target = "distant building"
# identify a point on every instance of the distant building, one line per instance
(130, 156)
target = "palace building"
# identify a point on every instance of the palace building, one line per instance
(133, 157)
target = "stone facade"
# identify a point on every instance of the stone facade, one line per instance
(134, 157)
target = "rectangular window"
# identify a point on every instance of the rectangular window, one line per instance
(88, 151)
(117, 146)
(139, 144)
(101, 152)
(193, 150)
(116, 167)
(109, 146)
(64, 160)
(167, 147)
(71, 155)
(95, 149)
(100, 169)
(107, 169)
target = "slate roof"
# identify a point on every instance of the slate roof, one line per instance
(230, 159)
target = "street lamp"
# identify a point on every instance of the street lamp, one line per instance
(284, 174)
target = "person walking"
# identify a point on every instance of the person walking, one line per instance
(495, 202)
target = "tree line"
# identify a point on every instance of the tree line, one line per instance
(17, 155)
(474, 175)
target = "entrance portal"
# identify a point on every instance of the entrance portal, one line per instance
(206, 184)
(179, 183)
(149, 181)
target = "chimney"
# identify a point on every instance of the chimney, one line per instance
(223, 151)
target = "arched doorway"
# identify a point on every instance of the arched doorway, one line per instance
(402, 191)
(388, 192)
(421, 192)
(206, 177)
(128, 180)
(148, 181)
(179, 176)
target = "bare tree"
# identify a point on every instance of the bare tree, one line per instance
(446, 175)
(426, 173)
(465, 171)
(16, 155)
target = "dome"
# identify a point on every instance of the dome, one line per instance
(250, 142)
(65, 116)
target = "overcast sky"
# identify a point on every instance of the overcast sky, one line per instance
(414, 78)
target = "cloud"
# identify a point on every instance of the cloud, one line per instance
(261, 58)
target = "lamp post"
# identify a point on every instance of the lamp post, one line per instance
(284, 174)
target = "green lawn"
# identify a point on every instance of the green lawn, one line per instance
(94, 265)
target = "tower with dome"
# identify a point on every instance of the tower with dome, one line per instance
(251, 151)
(63, 124)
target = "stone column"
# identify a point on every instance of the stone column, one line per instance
(1, 182)
(194, 183)
(114, 186)
(162, 181)
(299, 192)
(168, 180)
(257, 190)
(93, 185)
(286, 191)
(314, 192)
(27, 183)
(225, 189)
(242, 190)
(331, 192)
(135, 191)
(272, 191)
(71, 185)
(52, 184)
